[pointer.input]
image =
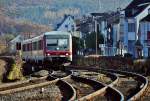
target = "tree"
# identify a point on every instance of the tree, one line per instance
(78, 44)
(7, 38)
(91, 40)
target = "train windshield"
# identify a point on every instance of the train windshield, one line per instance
(57, 43)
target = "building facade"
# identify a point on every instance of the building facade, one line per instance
(144, 36)
(106, 24)
(131, 27)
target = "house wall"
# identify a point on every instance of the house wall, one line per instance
(131, 37)
(143, 14)
(144, 27)
(68, 25)
(12, 44)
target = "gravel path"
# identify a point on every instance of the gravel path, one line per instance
(47, 93)
(96, 76)
(126, 85)
(146, 95)
(59, 74)
(82, 89)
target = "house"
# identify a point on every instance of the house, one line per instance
(68, 24)
(13, 43)
(106, 24)
(130, 26)
(144, 35)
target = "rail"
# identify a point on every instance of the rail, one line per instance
(139, 77)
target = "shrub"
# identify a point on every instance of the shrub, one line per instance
(15, 73)
(128, 55)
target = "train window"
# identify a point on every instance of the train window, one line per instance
(57, 44)
(24, 47)
(52, 42)
(40, 45)
(18, 45)
(28, 47)
(62, 42)
(34, 46)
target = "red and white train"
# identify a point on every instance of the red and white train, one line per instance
(50, 46)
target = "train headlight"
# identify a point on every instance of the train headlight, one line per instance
(48, 54)
(67, 54)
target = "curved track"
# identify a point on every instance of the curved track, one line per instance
(55, 91)
(44, 88)
(106, 92)
(135, 83)
(11, 86)
(131, 86)
(90, 84)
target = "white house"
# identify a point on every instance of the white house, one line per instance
(144, 35)
(13, 43)
(131, 17)
(68, 24)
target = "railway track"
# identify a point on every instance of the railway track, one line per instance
(55, 91)
(44, 88)
(82, 87)
(126, 85)
(32, 81)
(146, 95)
(61, 74)
(135, 83)
(130, 85)
(92, 84)
(6, 87)
(102, 77)
(106, 93)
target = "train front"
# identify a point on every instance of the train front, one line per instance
(58, 47)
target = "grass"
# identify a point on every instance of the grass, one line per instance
(15, 72)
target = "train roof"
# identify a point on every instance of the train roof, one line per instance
(46, 33)
(57, 33)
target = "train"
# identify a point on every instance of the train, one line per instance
(50, 47)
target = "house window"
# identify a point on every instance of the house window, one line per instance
(148, 11)
(66, 26)
(73, 28)
(148, 35)
(148, 52)
(131, 27)
(148, 38)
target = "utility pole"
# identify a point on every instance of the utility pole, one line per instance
(100, 6)
(96, 33)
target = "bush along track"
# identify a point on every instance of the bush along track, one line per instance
(13, 70)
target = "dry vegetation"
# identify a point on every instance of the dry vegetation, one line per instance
(2, 69)
(8, 25)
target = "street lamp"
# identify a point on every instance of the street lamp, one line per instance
(108, 40)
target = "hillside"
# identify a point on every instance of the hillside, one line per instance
(11, 26)
(50, 12)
